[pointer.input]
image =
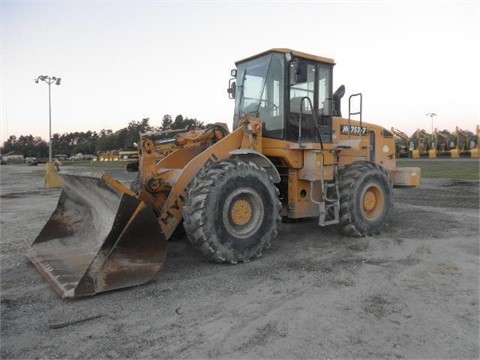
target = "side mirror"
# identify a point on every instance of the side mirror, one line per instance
(298, 72)
(232, 89)
(232, 86)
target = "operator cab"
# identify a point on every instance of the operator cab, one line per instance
(290, 91)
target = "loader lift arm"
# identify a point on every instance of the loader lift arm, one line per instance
(164, 183)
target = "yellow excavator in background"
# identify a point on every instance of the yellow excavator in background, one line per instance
(291, 154)
(403, 148)
(475, 150)
(441, 144)
(423, 142)
(463, 143)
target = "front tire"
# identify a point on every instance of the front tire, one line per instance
(231, 212)
(366, 199)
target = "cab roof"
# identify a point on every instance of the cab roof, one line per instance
(295, 53)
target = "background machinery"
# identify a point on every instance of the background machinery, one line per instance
(441, 144)
(403, 145)
(475, 150)
(422, 143)
(164, 144)
(464, 143)
(290, 154)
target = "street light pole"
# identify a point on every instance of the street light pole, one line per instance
(49, 80)
(49, 123)
(431, 115)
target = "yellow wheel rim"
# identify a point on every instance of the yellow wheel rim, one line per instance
(373, 202)
(243, 213)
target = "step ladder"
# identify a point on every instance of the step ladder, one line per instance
(330, 206)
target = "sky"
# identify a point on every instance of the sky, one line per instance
(123, 61)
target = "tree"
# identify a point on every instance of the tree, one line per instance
(121, 138)
(134, 129)
(188, 124)
(41, 147)
(166, 122)
(178, 123)
(85, 142)
(27, 145)
(106, 140)
(9, 144)
(90, 142)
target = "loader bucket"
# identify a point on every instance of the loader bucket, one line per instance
(99, 238)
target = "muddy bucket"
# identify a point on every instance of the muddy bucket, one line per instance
(99, 238)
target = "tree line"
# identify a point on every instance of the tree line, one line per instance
(91, 142)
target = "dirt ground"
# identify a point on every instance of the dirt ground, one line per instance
(412, 292)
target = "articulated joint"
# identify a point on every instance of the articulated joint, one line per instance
(148, 145)
(154, 184)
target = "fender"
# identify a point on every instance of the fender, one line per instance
(259, 159)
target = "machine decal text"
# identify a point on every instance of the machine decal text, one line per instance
(354, 130)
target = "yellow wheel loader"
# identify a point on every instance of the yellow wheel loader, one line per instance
(291, 154)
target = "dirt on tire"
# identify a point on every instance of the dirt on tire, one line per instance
(410, 292)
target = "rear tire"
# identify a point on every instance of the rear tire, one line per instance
(366, 199)
(231, 212)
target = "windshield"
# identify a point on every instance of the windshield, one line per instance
(299, 112)
(260, 90)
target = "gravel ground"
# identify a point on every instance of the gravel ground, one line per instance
(411, 292)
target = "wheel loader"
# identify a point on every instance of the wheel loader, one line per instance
(290, 155)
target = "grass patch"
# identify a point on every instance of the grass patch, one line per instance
(460, 169)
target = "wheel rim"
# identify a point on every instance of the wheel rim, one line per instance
(373, 202)
(243, 213)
